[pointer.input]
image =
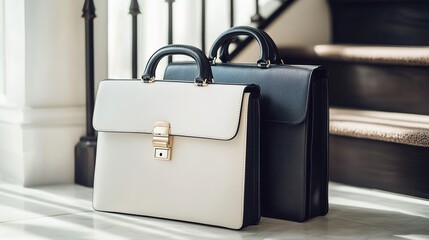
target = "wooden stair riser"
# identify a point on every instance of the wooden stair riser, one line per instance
(397, 22)
(374, 164)
(379, 87)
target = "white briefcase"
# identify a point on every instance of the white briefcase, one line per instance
(178, 150)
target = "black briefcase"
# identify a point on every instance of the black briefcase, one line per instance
(294, 127)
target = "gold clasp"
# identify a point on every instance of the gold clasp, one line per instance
(162, 141)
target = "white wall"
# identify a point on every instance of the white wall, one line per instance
(305, 23)
(42, 114)
(2, 82)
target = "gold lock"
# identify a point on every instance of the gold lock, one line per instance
(162, 141)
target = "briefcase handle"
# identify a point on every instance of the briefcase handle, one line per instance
(204, 76)
(264, 54)
(275, 57)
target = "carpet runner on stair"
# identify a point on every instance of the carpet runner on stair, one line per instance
(402, 128)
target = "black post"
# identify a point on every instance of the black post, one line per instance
(235, 40)
(257, 17)
(170, 26)
(231, 13)
(85, 149)
(134, 11)
(203, 25)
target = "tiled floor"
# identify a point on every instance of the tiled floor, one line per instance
(65, 212)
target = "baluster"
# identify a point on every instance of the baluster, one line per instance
(257, 17)
(235, 40)
(89, 15)
(134, 11)
(85, 149)
(170, 25)
(203, 25)
(231, 13)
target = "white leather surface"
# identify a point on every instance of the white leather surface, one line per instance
(132, 106)
(204, 181)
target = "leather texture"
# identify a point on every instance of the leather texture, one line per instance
(212, 177)
(133, 106)
(204, 70)
(275, 57)
(294, 133)
(226, 36)
(285, 89)
(252, 202)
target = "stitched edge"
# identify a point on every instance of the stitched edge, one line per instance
(310, 76)
(256, 162)
(303, 197)
(244, 113)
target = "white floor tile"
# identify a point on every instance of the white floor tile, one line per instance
(65, 212)
(18, 203)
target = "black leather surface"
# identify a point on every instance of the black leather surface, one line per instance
(275, 57)
(223, 38)
(293, 134)
(284, 88)
(204, 69)
(252, 205)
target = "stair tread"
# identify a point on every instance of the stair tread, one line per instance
(402, 128)
(398, 55)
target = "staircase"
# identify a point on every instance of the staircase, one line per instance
(379, 93)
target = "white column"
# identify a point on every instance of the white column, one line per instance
(2, 82)
(11, 144)
(42, 114)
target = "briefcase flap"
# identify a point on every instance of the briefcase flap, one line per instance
(131, 106)
(285, 89)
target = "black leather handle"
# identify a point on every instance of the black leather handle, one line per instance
(205, 72)
(274, 51)
(264, 56)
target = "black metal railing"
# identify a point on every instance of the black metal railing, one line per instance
(203, 25)
(231, 13)
(85, 149)
(89, 15)
(170, 25)
(260, 21)
(134, 11)
(256, 18)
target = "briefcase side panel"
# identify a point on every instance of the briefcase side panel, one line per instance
(252, 205)
(207, 187)
(283, 171)
(318, 122)
(306, 164)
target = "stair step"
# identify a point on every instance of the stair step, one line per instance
(402, 128)
(392, 22)
(392, 55)
(382, 150)
(392, 79)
